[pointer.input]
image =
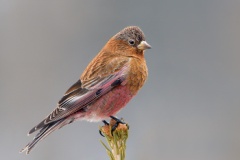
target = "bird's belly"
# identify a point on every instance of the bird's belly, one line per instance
(107, 105)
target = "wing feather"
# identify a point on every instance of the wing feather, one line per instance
(77, 98)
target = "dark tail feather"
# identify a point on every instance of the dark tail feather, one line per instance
(37, 127)
(44, 132)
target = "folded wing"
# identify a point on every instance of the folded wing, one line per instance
(77, 98)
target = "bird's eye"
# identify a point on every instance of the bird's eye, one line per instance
(131, 42)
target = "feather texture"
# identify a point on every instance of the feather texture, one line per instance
(108, 83)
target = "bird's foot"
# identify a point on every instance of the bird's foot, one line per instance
(106, 124)
(114, 122)
(117, 122)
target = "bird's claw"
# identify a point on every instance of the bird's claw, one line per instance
(118, 121)
(100, 132)
(114, 124)
(105, 123)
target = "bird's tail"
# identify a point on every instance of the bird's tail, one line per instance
(44, 132)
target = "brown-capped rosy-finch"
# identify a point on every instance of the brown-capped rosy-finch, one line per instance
(108, 83)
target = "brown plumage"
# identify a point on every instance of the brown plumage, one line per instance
(108, 83)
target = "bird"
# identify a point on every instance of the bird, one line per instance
(108, 83)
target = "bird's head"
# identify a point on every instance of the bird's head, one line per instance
(130, 40)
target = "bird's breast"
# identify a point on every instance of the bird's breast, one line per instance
(137, 75)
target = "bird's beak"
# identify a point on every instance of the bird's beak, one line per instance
(144, 45)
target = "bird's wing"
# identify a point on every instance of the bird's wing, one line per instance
(77, 97)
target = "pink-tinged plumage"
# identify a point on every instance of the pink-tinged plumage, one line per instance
(107, 105)
(108, 83)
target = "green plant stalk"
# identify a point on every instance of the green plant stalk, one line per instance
(116, 148)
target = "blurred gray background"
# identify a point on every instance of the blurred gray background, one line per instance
(189, 108)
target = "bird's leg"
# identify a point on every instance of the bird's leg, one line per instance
(105, 123)
(116, 124)
(113, 123)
